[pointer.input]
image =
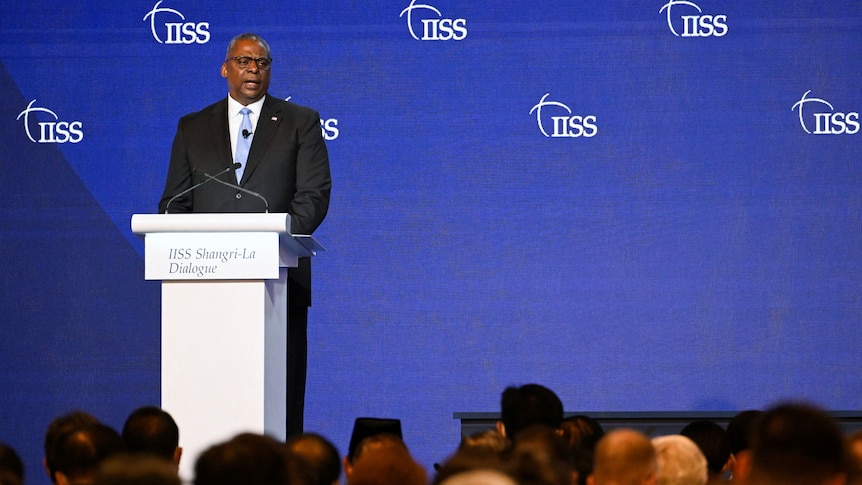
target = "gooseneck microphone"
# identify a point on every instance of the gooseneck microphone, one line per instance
(234, 186)
(232, 167)
(246, 133)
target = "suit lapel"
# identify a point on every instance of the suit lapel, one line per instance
(267, 123)
(220, 134)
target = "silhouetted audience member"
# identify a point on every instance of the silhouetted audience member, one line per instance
(581, 430)
(540, 456)
(384, 443)
(522, 407)
(624, 457)
(152, 430)
(582, 433)
(739, 431)
(469, 459)
(712, 440)
(479, 477)
(680, 461)
(386, 465)
(319, 456)
(298, 471)
(11, 466)
(57, 428)
(740, 428)
(79, 452)
(368, 427)
(854, 458)
(490, 440)
(136, 469)
(479, 451)
(793, 444)
(246, 459)
(364, 428)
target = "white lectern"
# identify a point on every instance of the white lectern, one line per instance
(224, 321)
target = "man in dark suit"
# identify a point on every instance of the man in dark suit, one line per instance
(287, 163)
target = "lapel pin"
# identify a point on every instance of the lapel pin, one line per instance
(274, 118)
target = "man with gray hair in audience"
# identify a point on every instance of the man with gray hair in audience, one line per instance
(680, 461)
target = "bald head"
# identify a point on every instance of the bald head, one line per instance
(318, 454)
(624, 457)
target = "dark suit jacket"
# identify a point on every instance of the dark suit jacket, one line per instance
(288, 164)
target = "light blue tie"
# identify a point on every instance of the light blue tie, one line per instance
(243, 143)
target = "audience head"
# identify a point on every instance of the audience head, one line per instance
(479, 477)
(367, 427)
(150, 429)
(479, 451)
(713, 443)
(540, 456)
(11, 466)
(624, 457)
(136, 469)
(521, 407)
(319, 456)
(59, 427)
(79, 452)
(384, 443)
(299, 473)
(680, 461)
(490, 440)
(794, 444)
(246, 459)
(740, 427)
(581, 433)
(385, 465)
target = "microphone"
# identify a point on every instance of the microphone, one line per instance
(234, 166)
(233, 186)
(245, 133)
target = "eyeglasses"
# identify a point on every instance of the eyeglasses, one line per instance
(263, 63)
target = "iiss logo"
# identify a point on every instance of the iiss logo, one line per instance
(50, 131)
(328, 126)
(176, 32)
(820, 114)
(434, 25)
(564, 124)
(687, 19)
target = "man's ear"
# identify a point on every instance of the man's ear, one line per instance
(501, 428)
(728, 465)
(348, 468)
(742, 467)
(224, 69)
(178, 454)
(61, 478)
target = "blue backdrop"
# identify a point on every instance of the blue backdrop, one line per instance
(646, 206)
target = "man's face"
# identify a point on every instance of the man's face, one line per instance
(251, 83)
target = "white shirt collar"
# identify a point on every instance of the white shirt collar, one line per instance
(233, 106)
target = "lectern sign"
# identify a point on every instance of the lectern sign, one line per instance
(211, 256)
